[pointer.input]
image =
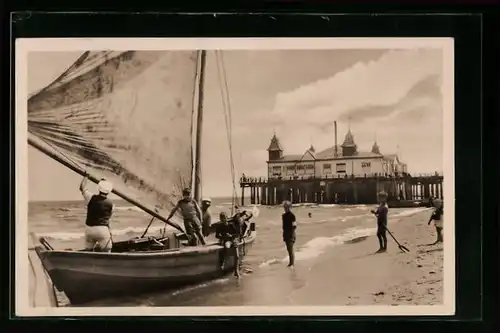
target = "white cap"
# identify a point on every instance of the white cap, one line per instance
(206, 199)
(104, 187)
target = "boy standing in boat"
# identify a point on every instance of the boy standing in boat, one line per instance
(289, 226)
(99, 212)
(437, 216)
(192, 215)
(381, 212)
(207, 216)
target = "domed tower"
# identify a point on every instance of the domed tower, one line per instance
(349, 147)
(275, 151)
(376, 148)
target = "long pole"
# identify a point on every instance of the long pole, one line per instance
(96, 180)
(199, 128)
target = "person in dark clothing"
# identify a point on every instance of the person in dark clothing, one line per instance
(99, 211)
(289, 226)
(228, 233)
(437, 217)
(381, 212)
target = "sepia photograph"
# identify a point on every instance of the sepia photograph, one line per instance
(270, 176)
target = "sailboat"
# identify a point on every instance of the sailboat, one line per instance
(131, 118)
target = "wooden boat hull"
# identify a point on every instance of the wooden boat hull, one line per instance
(87, 276)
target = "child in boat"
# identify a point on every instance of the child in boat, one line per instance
(381, 212)
(207, 216)
(289, 227)
(228, 234)
(437, 217)
(99, 211)
(192, 215)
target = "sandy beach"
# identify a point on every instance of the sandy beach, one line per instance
(394, 278)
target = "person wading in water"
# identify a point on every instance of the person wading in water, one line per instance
(192, 216)
(437, 216)
(99, 211)
(381, 212)
(289, 226)
(207, 216)
(228, 234)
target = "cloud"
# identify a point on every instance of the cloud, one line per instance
(375, 83)
(396, 98)
(427, 88)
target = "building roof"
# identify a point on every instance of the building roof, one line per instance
(288, 158)
(349, 140)
(375, 148)
(275, 144)
(393, 157)
(329, 153)
(326, 154)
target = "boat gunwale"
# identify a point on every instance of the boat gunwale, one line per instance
(190, 250)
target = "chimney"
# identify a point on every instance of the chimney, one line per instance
(335, 128)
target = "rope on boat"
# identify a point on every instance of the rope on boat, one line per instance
(226, 103)
(70, 160)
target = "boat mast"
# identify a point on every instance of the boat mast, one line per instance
(199, 128)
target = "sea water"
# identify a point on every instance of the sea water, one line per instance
(266, 280)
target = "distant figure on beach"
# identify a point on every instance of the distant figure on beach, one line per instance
(289, 227)
(310, 215)
(192, 216)
(207, 216)
(99, 211)
(228, 234)
(381, 212)
(437, 217)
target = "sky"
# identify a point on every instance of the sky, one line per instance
(393, 96)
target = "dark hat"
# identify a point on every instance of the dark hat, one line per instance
(186, 190)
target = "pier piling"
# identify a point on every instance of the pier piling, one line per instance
(342, 189)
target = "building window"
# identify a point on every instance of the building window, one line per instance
(340, 167)
(309, 168)
(290, 168)
(366, 164)
(276, 170)
(327, 168)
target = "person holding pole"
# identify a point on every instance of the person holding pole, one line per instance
(99, 211)
(381, 213)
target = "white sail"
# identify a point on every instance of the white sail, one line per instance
(124, 116)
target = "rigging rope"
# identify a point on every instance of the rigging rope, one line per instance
(226, 105)
(60, 152)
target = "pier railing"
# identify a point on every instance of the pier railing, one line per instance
(247, 180)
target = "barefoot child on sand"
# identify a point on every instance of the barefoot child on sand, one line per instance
(381, 212)
(437, 216)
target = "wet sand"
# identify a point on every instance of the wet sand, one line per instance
(357, 276)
